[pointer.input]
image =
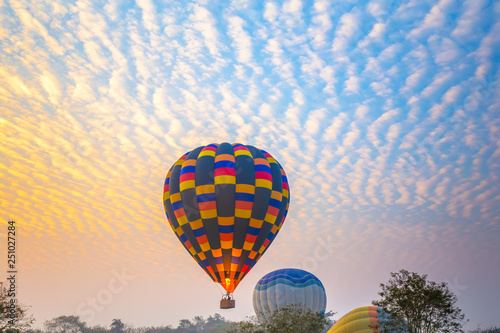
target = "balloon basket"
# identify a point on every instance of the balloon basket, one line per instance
(227, 302)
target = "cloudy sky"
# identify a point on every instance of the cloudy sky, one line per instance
(385, 115)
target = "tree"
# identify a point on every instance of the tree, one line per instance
(416, 305)
(117, 326)
(291, 319)
(487, 330)
(73, 324)
(13, 315)
(216, 323)
(96, 329)
(65, 324)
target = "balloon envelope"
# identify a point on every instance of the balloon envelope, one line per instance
(365, 319)
(226, 203)
(286, 287)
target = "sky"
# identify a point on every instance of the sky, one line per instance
(384, 114)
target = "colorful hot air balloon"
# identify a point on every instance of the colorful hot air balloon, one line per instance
(226, 204)
(367, 319)
(286, 287)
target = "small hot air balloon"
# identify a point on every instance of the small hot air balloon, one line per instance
(226, 203)
(367, 319)
(288, 287)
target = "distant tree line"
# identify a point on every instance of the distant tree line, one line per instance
(288, 320)
(73, 324)
(487, 330)
(291, 320)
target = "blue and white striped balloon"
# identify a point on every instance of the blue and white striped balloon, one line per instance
(288, 287)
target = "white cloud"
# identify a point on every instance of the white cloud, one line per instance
(377, 31)
(351, 137)
(327, 74)
(322, 25)
(333, 131)
(96, 55)
(378, 9)
(293, 7)
(348, 28)
(281, 64)
(439, 80)
(149, 17)
(271, 11)
(362, 111)
(241, 40)
(33, 25)
(204, 22)
(435, 19)
(314, 121)
(15, 83)
(381, 88)
(405, 195)
(51, 85)
(377, 125)
(468, 23)
(93, 25)
(352, 84)
(446, 51)
(393, 132)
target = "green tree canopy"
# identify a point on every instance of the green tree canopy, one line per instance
(23, 319)
(117, 326)
(65, 324)
(417, 305)
(291, 319)
(486, 330)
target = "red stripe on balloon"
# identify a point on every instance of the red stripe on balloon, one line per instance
(263, 175)
(225, 172)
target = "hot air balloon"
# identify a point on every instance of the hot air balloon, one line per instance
(367, 319)
(226, 203)
(288, 287)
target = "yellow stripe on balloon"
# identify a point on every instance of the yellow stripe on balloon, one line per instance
(247, 246)
(186, 185)
(175, 197)
(264, 183)
(242, 152)
(226, 220)
(179, 232)
(224, 179)
(243, 213)
(272, 160)
(196, 224)
(205, 189)
(226, 244)
(207, 152)
(256, 223)
(208, 214)
(182, 220)
(245, 188)
(205, 247)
